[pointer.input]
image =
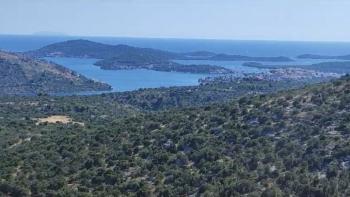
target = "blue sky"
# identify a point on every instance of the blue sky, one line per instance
(315, 20)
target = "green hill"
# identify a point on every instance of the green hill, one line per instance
(86, 48)
(292, 143)
(89, 49)
(23, 75)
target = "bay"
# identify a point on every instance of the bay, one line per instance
(127, 80)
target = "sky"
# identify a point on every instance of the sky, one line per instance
(302, 20)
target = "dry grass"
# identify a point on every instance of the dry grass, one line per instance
(58, 119)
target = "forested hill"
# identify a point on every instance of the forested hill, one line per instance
(23, 75)
(89, 49)
(292, 143)
(86, 48)
(123, 57)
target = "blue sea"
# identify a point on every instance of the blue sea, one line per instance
(126, 80)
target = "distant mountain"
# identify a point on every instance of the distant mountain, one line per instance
(311, 56)
(22, 75)
(89, 49)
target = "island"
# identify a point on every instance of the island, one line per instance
(227, 57)
(139, 61)
(118, 57)
(312, 56)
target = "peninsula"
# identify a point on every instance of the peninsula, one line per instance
(23, 75)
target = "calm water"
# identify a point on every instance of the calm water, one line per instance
(134, 79)
(126, 80)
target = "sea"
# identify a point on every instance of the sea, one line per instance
(128, 80)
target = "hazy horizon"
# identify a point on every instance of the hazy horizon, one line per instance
(269, 20)
(87, 37)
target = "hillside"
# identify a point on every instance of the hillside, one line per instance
(89, 49)
(289, 143)
(23, 75)
(210, 91)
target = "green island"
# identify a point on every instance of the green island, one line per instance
(138, 61)
(22, 75)
(118, 57)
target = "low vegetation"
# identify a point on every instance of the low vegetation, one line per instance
(22, 75)
(150, 63)
(291, 143)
